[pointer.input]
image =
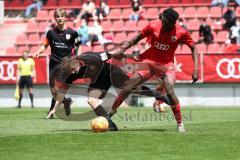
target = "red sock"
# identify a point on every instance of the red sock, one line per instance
(118, 101)
(177, 113)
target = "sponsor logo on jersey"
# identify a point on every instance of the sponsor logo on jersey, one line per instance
(161, 46)
(68, 36)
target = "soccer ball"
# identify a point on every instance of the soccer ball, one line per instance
(99, 124)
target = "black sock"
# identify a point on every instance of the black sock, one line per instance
(148, 92)
(20, 100)
(64, 100)
(52, 104)
(31, 98)
(100, 111)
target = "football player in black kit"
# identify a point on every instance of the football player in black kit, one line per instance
(103, 75)
(64, 42)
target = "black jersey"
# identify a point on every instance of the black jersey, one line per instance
(94, 67)
(62, 42)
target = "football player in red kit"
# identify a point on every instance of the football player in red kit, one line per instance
(165, 36)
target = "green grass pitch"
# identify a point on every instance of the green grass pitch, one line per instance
(212, 134)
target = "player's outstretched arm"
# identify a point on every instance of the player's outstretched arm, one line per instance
(127, 44)
(57, 104)
(40, 51)
(195, 60)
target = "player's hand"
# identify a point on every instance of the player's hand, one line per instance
(50, 113)
(195, 76)
(36, 55)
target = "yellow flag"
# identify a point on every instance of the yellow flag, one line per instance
(16, 94)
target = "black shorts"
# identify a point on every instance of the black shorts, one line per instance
(25, 81)
(109, 76)
(52, 67)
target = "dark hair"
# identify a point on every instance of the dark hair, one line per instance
(171, 14)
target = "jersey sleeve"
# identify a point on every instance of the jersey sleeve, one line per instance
(187, 39)
(76, 39)
(146, 31)
(48, 37)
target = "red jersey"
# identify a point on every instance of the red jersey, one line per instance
(163, 44)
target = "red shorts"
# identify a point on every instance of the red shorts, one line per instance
(159, 70)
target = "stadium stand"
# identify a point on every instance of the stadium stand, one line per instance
(117, 24)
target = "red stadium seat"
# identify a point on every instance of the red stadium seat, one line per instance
(64, 3)
(215, 12)
(31, 27)
(214, 48)
(33, 39)
(193, 24)
(42, 15)
(237, 12)
(42, 27)
(98, 48)
(185, 49)
(42, 38)
(115, 14)
(15, 3)
(76, 3)
(85, 49)
(51, 14)
(152, 13)
(179, 10)
(34, 49)
(126, 13)
(131, 35)
(173, 1)
(199, 1)
(216, 25)
(106, 25)
(51, 3)
(202, 48)
(70, 24)
(124, 2)
(11, 50)
(108, 36)
(26, 3)
(222, 36)
(48, 51)
(195, 36)
(7, 3)
(130, 25)
(113, 2)
(142, 24)
(21, 40)
(22, 49)
(186, 1)
(202, 12)
(149, 2)
(119, 37)
(190, 12)
(118, 26)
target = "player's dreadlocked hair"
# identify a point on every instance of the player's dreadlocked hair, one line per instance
(171, 15)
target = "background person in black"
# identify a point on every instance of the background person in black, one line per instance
(205, 33)
(64, 42)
